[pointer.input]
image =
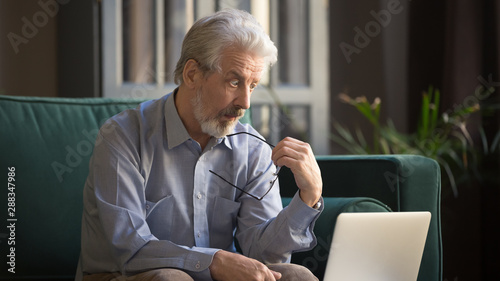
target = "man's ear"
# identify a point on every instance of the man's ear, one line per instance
(191, 73)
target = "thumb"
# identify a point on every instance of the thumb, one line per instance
(276, 274)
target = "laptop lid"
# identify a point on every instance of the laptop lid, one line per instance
(377, 246)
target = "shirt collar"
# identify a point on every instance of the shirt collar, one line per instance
(176, 131)
(226, 141)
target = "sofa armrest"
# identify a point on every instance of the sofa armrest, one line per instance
(403, 182)
(316, 258)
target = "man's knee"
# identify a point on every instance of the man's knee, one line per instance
(293, 272)
(163, 274)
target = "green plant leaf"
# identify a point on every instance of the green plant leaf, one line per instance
(424, 115)
(366, 110)
(435, 110)
(494, 143)
(347, 141)
(448, 171)
(444, 138)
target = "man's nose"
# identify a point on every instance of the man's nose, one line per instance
(243, 98)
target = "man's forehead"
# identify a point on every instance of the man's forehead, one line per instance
(239, 62)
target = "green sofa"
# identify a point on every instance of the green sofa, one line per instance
(46, 144)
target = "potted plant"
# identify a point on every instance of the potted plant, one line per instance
(443, 137)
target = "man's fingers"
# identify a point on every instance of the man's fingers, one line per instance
(276, 274)
(235, 267)
(289, 150)
(299, 157)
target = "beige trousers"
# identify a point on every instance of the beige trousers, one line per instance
(289, 272)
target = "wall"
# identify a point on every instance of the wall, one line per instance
(369, 57)
(28, 49)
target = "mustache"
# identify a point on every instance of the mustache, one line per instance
(233, 111)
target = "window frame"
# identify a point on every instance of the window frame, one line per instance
(315, 95)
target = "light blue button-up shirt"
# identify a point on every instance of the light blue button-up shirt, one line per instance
(151, 202)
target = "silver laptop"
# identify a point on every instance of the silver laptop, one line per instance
(377, 246)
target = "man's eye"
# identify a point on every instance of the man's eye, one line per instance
(234, 83)
(253, 86)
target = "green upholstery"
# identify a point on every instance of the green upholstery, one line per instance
(49, 142)
(403, 182)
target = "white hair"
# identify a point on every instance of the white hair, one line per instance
(209, 36)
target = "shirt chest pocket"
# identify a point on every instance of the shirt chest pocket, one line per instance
(223, 223)
(159, 217)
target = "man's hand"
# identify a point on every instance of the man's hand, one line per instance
(298, 156)
(234, 267)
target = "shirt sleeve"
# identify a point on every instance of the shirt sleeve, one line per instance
(115, 217)
(266, 231)
(274, 240)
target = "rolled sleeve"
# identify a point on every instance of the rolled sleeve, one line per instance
(300, 215)
(194, 261)
(290, 231)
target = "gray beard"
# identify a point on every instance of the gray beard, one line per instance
(211, 125)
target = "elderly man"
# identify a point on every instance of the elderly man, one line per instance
(173, 182)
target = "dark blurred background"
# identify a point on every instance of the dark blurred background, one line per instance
(389, 49)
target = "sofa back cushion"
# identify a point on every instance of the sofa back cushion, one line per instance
(48, 141)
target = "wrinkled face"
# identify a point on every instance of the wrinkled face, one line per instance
(222, 97)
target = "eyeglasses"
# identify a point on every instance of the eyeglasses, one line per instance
(241, 189)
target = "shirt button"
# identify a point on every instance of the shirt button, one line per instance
(198, 265)
(198, 234)
(198, 195)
